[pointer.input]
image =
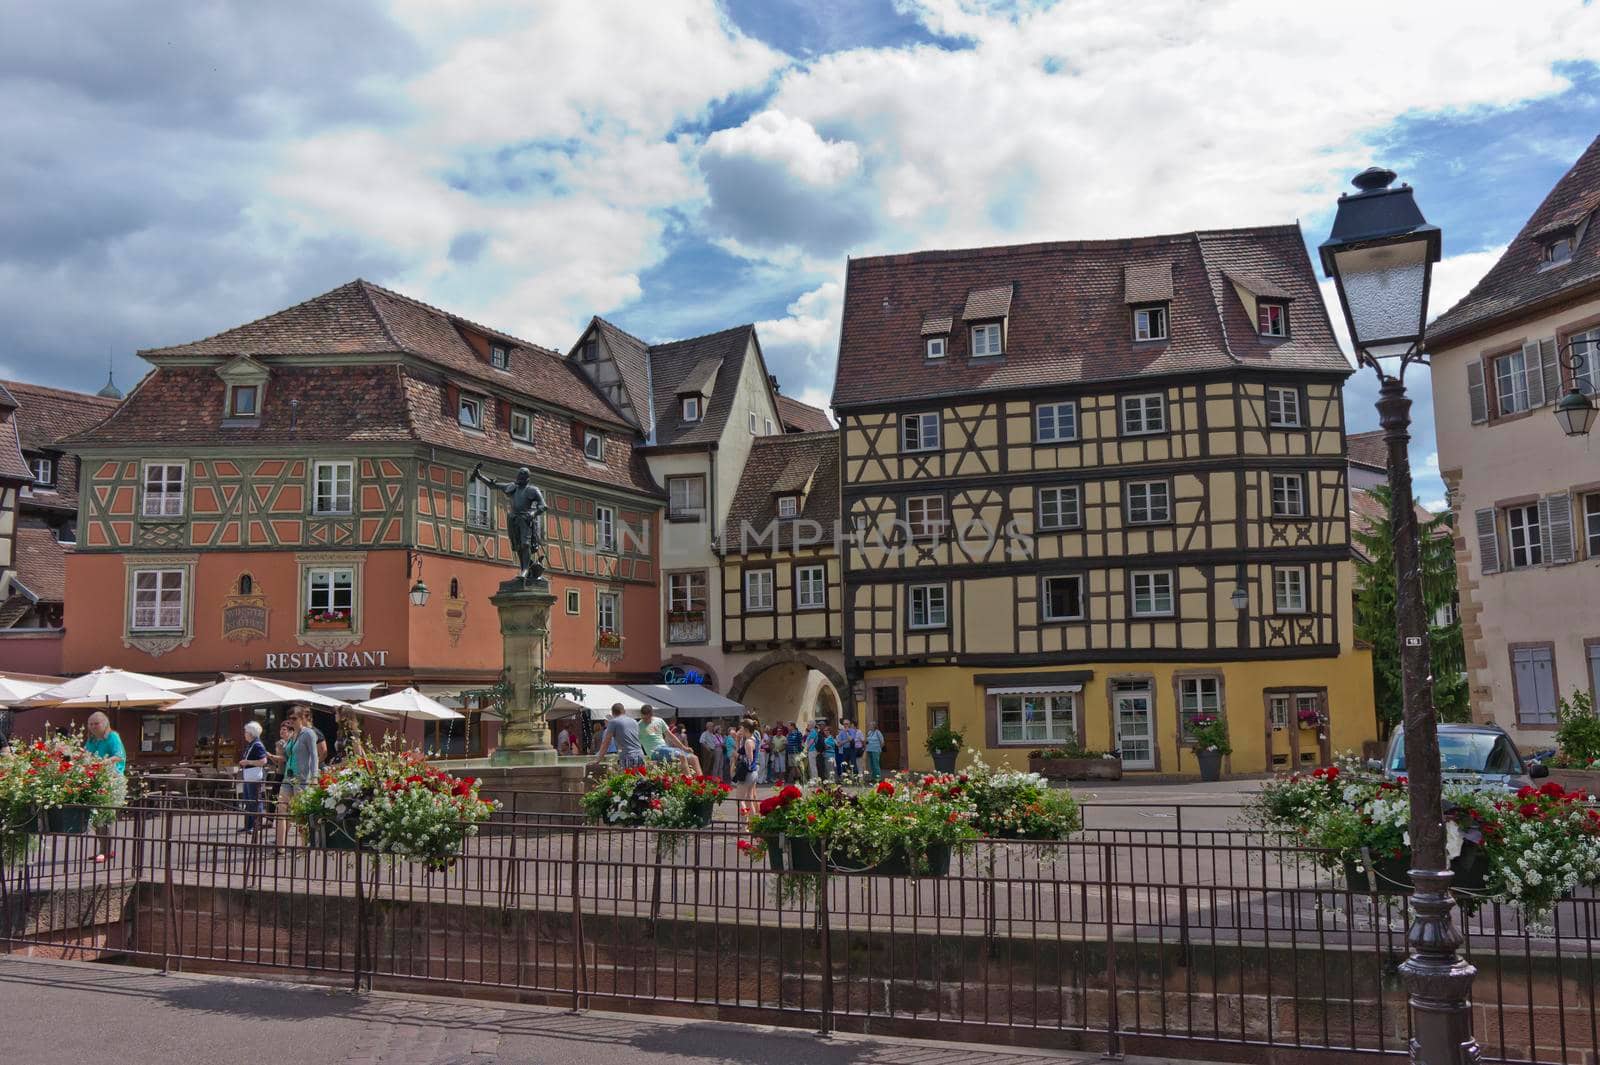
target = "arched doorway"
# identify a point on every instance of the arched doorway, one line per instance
(790, 685)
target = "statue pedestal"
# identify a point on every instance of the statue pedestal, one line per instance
(524, 608)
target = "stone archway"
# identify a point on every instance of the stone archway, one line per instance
(787, 655)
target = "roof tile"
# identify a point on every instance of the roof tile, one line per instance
(1147, 282)
(755, 503)
(991, 302)
(801, 417)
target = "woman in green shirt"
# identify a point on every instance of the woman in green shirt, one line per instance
(103, 742)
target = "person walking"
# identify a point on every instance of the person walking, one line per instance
(300, 768)
(744, 769)
(794, 744)
(253, 771)
(103, 742)
(622, 732)
(728, 744)
(830, 754)
(875, 753)
(778, 759)
(855, 749)
(813, 744)
(709, 746)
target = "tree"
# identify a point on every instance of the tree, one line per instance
(1375, 614)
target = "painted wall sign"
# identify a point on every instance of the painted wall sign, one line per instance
(326, 659)
(244, 611)
(681, 675)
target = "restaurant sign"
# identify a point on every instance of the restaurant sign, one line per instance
(326, 659)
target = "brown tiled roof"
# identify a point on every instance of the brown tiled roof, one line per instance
(1069, 322)
(755, 501)
(701, 377)
(14, 609)
(12, 465)
(41, 563)
(675, 363)
(1147, 282)
(1368, 449)
(632, 356)
(1519, 280)
(48, 415)
(937, 325)
(1367, 512)
(992, 302)
(802, 417)
(796, 475)
(1256, 285)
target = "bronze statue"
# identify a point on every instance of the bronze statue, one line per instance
(524, 520)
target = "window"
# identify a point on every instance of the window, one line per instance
(499, 357)
(1288, 495)
(594, 445)
(1283, 408)
(1152, 593)
(929, 606)
(1046, 717)
(1055, 422)
(1586, 346)
(470, 412)
(1150, 323)
(1278, 710)
(1522, 529)
(752, 417)
(1289, 590)
(1148, 503)
(332, 487)
(986, 340)
(1198, 697)
(1059, 508)
(158, 596)
(767, 425)
(934, 347)
(455, 588)
(691, 408)
(1533, 675)
(788, 506)
(1558, 250)
(1591, 523)
(480, 508)
(686, 498)
(163, 489)
(574, 601)
(758, 589)
(44, 471)
(1272, 319)
(1063, 598)
(522, 426)
(605, 528)
(330, 597)
(925, 516)
(919, 432)
(686, 592)
(243, 401)
(1144, 414)
(811, 587)
(608, 612)
(1511, 383)
(590, 350)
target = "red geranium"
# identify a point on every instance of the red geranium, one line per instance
(885, 788)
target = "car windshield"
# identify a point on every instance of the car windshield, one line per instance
(1467, 752)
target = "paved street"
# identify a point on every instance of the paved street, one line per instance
(150, 1019)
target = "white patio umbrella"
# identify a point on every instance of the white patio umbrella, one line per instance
(240, 690)
(107, 688)
(14, 690)
(409, 701)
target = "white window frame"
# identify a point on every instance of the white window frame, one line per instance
(1587, 345)
(924, 522)
(1044, 597)
(925, 425)
(751, 415)
(1288, 590)
(605, 527)
(522, 425)
(1143, 413)
(760, 591)
(233, 403)
(166, 580)
(1524, 536)
(788, 506)
(574, 602)
(594, 445)
(1510, 383)
(682, 595)
(1049, 430)
(323, 580)
(329, 503)
(988, 340)
(1151, 323)
(1056, 722)
(480, 505)
(1591, 524)
(1283, 407)
(43, 468)
(608, 603)
(1288, 495)
(691, 408)
(1065, 497)
(469, 412)
(169, 501)
(1133, 490)
(499, 356)
(1196, 696)
(811, 587)
(935, 347)
(1266, 321)
(934, 606)
(679, 510)
(766, 424)
(1152, 579)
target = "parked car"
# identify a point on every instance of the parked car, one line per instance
(1482, 756)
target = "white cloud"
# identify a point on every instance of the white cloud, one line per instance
(1435, 506)
(791, 143)
(801, 346)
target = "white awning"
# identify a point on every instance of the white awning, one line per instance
(1036, 689)
(599, 698)
(347, 693)
(687, 700)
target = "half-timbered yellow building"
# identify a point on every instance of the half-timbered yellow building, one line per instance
(1095, 491)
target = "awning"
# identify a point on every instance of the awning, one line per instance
(687, 700)
(1036, 689)
(599, 698)
(348, 693)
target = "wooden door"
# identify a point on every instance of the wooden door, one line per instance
(888, 713)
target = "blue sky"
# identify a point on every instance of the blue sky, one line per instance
(685, 165)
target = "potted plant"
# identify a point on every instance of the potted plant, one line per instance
(608, 640)
(1071, 762)
(944, 743)
(1210, 736)
(1576, 765)
(1007, 804)
(57, 783)
(654, 796)
(325, 620)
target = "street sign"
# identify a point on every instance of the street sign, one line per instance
(1413, 641)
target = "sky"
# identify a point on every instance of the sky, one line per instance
(681, 166)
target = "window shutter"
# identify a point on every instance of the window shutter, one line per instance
(1476, 399)
(502, 411)
(1533, 374)
(577, 433)
(1550, 367)
(452, 402)
(1555, 517)
(1488, 541)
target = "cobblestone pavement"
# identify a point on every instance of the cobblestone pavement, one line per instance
(68, 1013)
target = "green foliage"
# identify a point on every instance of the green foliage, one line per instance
(1578, 731)
(1376, 614)
(944, 739)
(1210, 734)
(1070, 750)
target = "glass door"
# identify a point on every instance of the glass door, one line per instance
(1135, 729)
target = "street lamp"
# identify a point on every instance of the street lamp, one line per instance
(1380, 255)
(419, 591)
(1240, 598)
(1575, 411)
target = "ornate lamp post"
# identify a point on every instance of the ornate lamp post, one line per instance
(1575, 411)
(1380, 255)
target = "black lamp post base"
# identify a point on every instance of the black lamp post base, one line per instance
(1438, 979)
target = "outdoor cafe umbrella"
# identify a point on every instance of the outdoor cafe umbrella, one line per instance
(239, 690)
(107, 688)
(409, 701)
(16, 689)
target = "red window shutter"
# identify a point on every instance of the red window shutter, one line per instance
(452, 401)
(503, 412)
(577, 433)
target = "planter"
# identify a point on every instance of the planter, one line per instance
(1584, 780)
(327, 626)
(1076, 768)
(1389, 875)
(806, 857)
(67, 820)
(1210, 765)
(336, 838)
(945, 761)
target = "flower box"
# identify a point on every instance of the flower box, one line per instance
(1392, 876)
(804, 856)
(1076, 768)
(327, 624)
(67, 820)
(337, 837)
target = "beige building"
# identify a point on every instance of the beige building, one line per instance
(1526, 497)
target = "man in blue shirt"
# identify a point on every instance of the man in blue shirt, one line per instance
(795, 744)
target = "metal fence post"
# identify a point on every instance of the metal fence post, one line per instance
(1183, 901)
(361, 920)
(169, 931)
(578, 980)
(825, 929)
(1108, 904)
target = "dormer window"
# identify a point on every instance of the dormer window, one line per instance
(986, 340)
(1272, 319)
(522, 426)
(44, 471)
(590, 350)
(469, 412)
(594, 445)
(244, 384)
(499, 357)
(788, 506)
(934, 347)
(244, 401)
(1558, 250)
(691, 408)
(1150, 322)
